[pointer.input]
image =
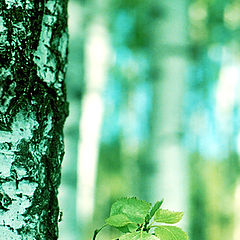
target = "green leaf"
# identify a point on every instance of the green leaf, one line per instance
(170, 233)
(166, 216)
(131, 227)
(118, 220)
(156, 206)
(136, 210)
(123, 229)
(138, 236)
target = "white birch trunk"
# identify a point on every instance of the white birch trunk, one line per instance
(33, 51)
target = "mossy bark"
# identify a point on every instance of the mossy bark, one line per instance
(33, 108)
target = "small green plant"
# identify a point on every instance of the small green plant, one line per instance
(138, 221)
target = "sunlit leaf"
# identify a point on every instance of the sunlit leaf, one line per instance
(170, 233)
(118, 220)
(166, 216)
(156, 206)
(136, 210)
(138, 236)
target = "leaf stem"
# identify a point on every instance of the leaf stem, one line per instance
(142, 230)
(97, 231)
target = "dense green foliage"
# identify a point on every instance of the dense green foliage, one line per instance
(137, 220)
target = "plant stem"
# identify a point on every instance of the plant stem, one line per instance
(95, 234)
(97, 231)
(141, 231)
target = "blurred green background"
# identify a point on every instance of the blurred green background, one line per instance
(154, 100)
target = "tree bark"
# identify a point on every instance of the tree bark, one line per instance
(33, 108)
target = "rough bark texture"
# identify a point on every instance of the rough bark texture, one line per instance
(33, 108)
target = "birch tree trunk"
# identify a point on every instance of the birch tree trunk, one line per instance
(33, 108)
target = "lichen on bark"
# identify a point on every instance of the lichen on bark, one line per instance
(33, 108)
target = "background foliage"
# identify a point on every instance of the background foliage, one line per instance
(154, 112)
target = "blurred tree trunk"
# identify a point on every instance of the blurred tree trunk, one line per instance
(33, 108)
(169, 49)
(74, 78)
(96, 59)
